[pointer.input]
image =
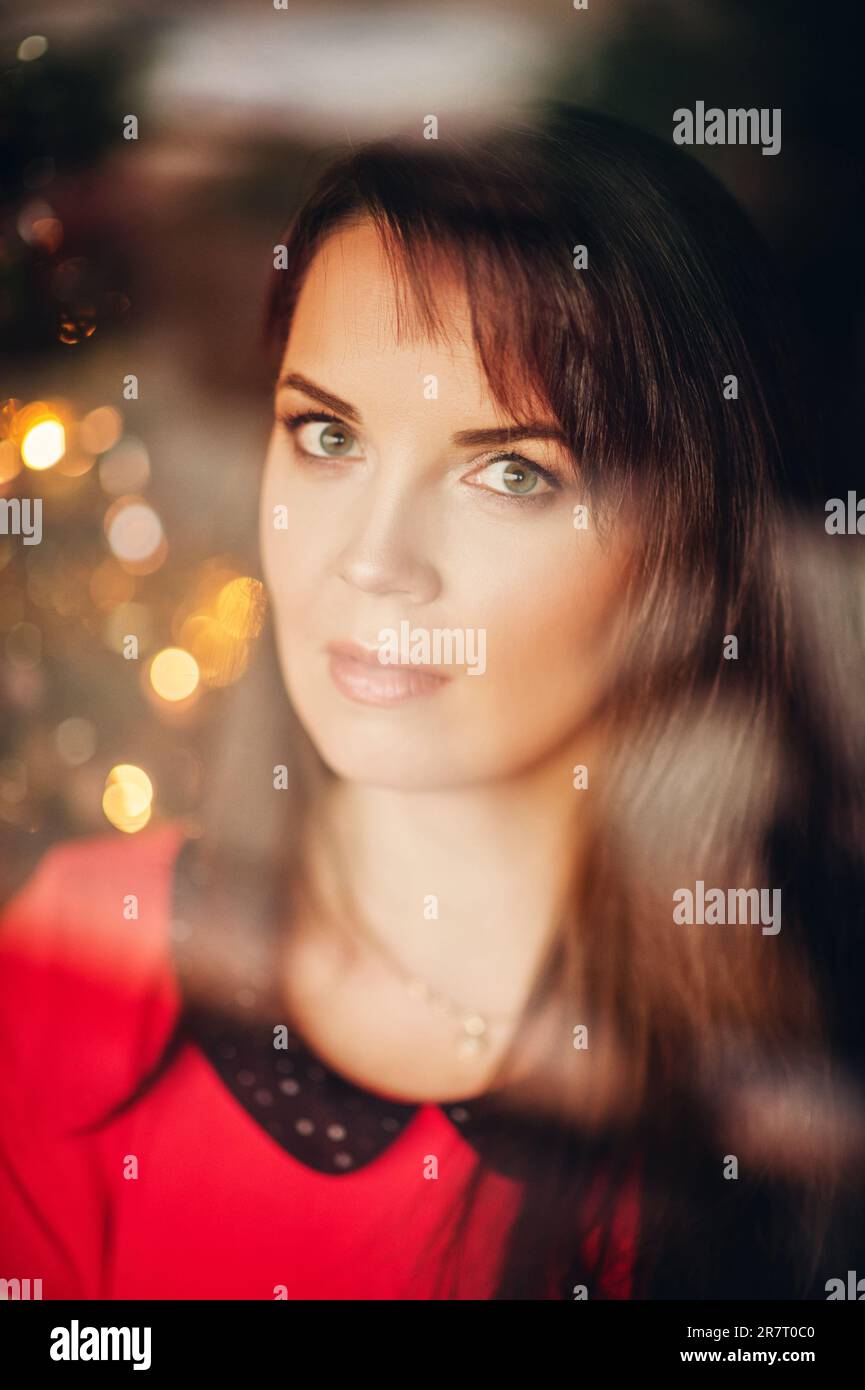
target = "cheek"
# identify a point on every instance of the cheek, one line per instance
(547, 622)
(292, 566)
(283, 562)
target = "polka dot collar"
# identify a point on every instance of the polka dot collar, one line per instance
(317, 1115)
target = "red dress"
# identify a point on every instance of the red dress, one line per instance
(185, 1195)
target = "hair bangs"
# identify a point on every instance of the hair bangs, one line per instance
(529, 308)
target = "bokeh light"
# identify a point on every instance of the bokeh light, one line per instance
(240, 607)
(32, 47)
(100, 429)
(133, 775)
(76, 741)
(127, 801)
(75, 463)
(47, 234)
(8, 416)
(76, 325)
(44, 444)
(31, 215)
(221, 658)
(174, 674)
(125, 468)
(135, 535)
(10, 461)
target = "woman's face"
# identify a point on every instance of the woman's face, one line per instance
(409, 521)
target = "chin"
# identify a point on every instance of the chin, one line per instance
(381, 759)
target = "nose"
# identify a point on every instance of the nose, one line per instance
(388, 551)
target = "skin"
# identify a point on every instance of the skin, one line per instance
(406, 523)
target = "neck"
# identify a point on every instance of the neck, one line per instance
(463, 886)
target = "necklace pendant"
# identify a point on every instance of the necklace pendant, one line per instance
(472, 1039)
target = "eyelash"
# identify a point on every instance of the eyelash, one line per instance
(292, 423)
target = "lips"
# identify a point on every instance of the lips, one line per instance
(358, 674)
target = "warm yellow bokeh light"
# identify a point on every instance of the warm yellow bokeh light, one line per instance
(222, 659)
(100, 429)
(74, 463)
(44, 444)
(10, 462)
(119, 803)
(127, 800)
(174, 673)
(240, 607)
(135, 776)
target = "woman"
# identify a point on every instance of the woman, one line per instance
(420, 1014)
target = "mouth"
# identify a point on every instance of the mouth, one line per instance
(359, 675)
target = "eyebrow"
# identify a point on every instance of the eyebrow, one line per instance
(533, 429)
(301, 383)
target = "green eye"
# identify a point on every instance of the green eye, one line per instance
(519, 479)
(334, 440)
(515, 477)
(319, 438)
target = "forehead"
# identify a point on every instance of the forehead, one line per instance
(351, 281)
(355, 317)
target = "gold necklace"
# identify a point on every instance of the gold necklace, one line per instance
(475, 1029)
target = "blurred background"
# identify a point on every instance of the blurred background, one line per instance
(133, 382)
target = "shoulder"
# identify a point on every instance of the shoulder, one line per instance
(92, 862)
(102, 903)
(86, 984)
